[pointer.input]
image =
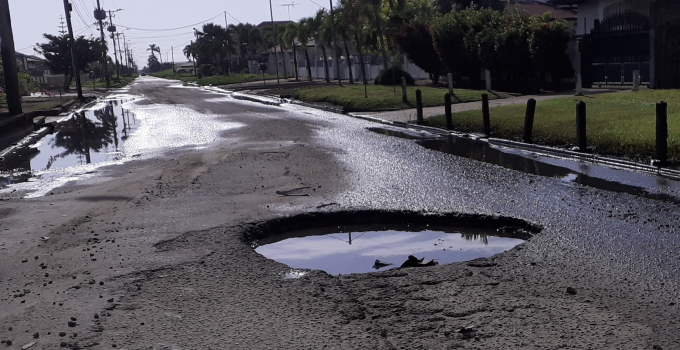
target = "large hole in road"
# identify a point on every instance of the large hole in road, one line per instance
(366, 241)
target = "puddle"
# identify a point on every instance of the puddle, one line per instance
(355, 248)
(93, 136)
(570, 171)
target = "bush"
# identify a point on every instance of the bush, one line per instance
(392, 76)
(206, 70)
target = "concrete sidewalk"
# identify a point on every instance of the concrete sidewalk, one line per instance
(407, 115)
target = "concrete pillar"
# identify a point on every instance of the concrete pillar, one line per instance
(488, 80)
(636, 80)
(579, 84)
(449, 78)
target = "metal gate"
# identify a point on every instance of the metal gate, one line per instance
(616, 47)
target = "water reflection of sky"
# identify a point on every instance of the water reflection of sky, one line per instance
(333, 253)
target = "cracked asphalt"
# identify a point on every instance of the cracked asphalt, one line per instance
(154, 253)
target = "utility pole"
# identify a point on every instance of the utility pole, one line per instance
(9, 60)
(335, 39)
(100, 16)
(276, 54)
(172, 49)
(226, 26)
(127, 55)
(74, 59)
(120, 52)
(112, 29)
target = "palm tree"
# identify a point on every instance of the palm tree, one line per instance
(304, 34)
(289, 36)
(374, 8)
(320, 34)
(153, 48)
(353, 13)
(342, 27)
(214, 43)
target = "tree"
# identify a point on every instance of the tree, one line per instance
(153, 64)
(57, 52)
(289, 37)
(304, 35)
(416, 41)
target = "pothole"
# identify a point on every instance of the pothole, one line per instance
(359, 242)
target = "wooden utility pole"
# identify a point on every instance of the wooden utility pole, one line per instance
(172, 49)
(112, 29)
(9, 60)
(276, 54)
(335, 39)
(74, 59)
(226, 27)
(100, 15)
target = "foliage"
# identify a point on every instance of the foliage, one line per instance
(57, 52)
(511, 44)
(416, 41)
(206, 70)
(392, 76)
(153, 64)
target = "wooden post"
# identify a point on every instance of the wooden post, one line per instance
(662, 132)
(529, 120)
(404, 97)
(487, 74)
(447, 111)
(581, 126)
(419, 106)
(449, 79)
(9, 61)
(485, 114)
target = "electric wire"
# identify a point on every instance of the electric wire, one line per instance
(169, 29)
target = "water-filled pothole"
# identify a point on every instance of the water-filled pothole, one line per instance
(359, 244)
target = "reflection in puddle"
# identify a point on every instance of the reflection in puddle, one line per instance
(86, 137)
(356, 249)
(570, 171)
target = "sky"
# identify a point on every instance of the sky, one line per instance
(149, 20)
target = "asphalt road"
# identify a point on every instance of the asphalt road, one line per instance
(154, 253)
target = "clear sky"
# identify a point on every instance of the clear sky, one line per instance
(32, 18)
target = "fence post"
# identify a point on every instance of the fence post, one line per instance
(485, 114)
(419, 106)
(487, 74)
(447, 111)
(404, 98)
(449, 78)
(579, 84)
(636, 80)
(581, 126)
(529, 120)
(662, 132)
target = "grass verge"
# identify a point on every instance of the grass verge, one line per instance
(622, 123)
(380, 97)
(214, 80)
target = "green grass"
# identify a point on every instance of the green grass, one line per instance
(214, 80)
(617, 123)
(380, 97)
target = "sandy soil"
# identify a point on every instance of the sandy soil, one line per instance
(155, 258)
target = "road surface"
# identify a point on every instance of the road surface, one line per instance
(153, 252)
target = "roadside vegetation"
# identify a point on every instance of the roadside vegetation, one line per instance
(380, 97)
(212, 80)
(621, 123)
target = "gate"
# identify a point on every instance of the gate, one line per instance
(615, 48)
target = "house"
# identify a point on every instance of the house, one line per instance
(617, 37)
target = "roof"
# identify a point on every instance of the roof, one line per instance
(539, 8)
(277, 23)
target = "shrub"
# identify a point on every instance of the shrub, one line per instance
(206, 70)
(392, 76)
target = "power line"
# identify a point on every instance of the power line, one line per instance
(161, 36)
(236, 19)
(168, 29)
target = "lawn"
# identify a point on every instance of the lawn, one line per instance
(380, 97)
(620, 123)
(214, 80)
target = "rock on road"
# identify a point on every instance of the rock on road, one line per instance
(152, 255)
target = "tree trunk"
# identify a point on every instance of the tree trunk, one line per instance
(361, 58)
(325, 63)
(382, 40)
(349, 66)
(67, 82)
(283, 63)
(309, 66)
(295, 62)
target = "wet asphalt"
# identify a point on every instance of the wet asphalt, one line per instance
(624, 248)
